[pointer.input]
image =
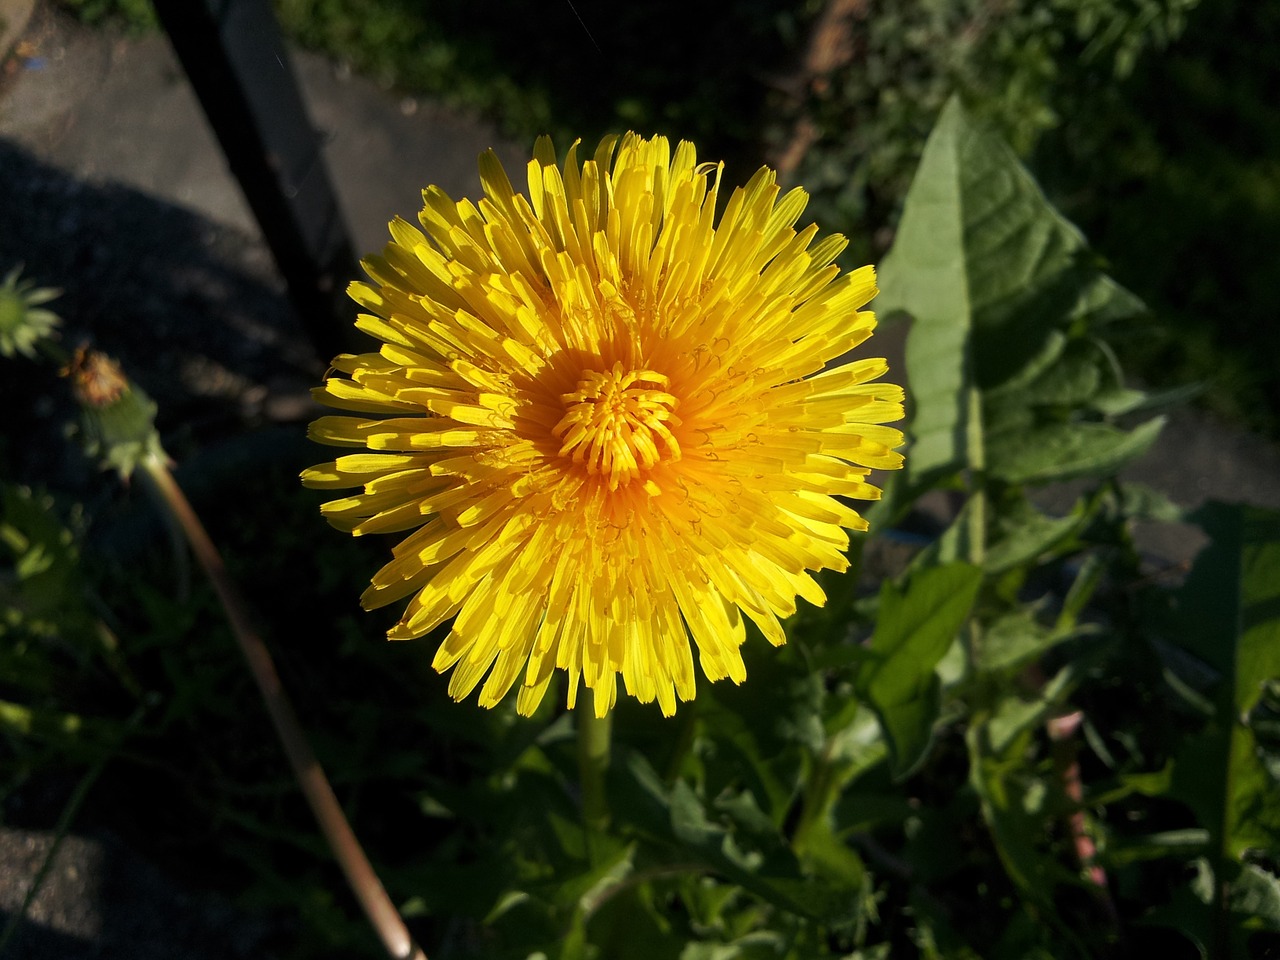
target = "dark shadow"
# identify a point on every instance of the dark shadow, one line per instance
(101, 901)
(1170, 172)
(194, 310)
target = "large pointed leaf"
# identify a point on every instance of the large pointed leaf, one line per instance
(1068, 451)
(925, 274)
(916, 625)
(990, 272)
(677, 817)
(1228, 615)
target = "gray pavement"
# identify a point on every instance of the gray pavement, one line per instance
(109, 141)
(105, 107)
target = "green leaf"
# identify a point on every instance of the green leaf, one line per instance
(1188, 842)
(1255, 898)
(678, 818)
(1013, 641)
(990, 272)
(1141, 502)
(1029, 535)
(925, 274)
(1119, 400)
(1015, 716)
(1252, 903)
(916, 626)
(41, 584)
(769, 769)
(1151, 783)
(1013, 804)
(1067, 451)
(1070, 382)
(1228, 615)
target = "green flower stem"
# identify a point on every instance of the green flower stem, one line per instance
(977, 480)
(366, 886)
(594, 735)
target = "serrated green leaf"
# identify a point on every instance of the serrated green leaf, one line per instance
(1032, 535)
(769, 770)
(916, 626)
(1249, 898)
(1146, 503)
(1014, 715)
(1118, 400)
(585, 891)
(1014, 640)
(992, 276)
(1070, 382)
(43, 590)
(1013, 798)
(1055, 345)
(1255, 897)
(856, 746)
(679, 818)
(1152, 783)
(925, 274)
(1067, 451)
(1087, 579)
(1189, 842)
(1229, 616)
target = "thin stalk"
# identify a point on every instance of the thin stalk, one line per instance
(977, 480)
(1062, 730)
(594, 737)
(814, 799)
(364, 882)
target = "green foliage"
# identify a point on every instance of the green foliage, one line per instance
(1028, 66)
(1226, 616)
(1171, 163)
(915, 626)
(1009, 304)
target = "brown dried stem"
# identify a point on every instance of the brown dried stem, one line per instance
(360, 875)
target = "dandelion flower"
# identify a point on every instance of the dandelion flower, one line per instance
(612, 424)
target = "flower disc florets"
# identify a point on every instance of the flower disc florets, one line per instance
(608, 420)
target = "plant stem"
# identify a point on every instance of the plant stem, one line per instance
(1062, 730)
(364, 882)
(594, 735)
(977, 480)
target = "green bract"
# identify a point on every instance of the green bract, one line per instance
(23, 323)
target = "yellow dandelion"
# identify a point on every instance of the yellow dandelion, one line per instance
(611, 423)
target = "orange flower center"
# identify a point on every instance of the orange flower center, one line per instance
(619, 423)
